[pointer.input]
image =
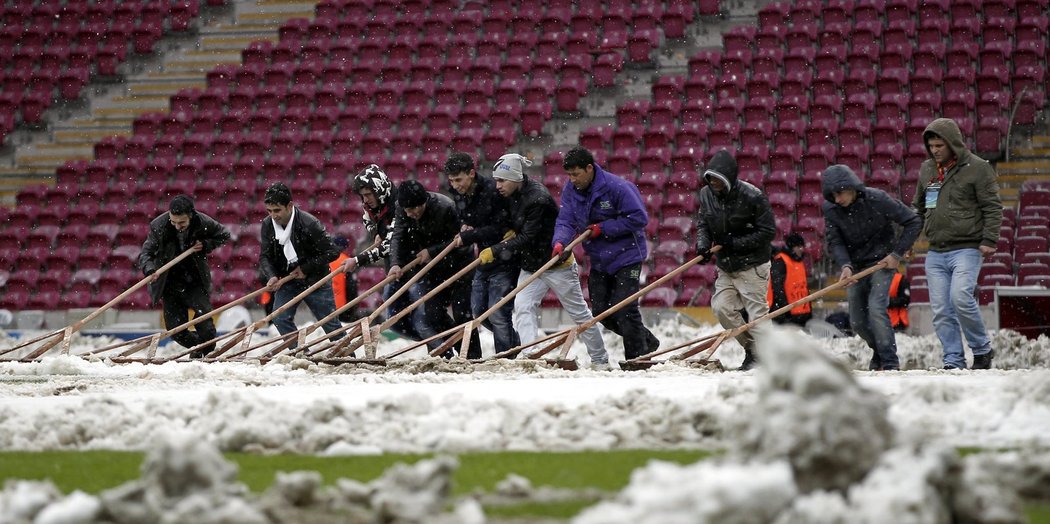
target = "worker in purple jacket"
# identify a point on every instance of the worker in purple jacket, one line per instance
(613, 210)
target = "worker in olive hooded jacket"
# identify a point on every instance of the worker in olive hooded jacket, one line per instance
(861, 230)
(736, 218)
(958, 200)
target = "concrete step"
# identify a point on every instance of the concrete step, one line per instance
(238, 42)
(262, 18)
(52, 161)
(170, 87)
(88, 135)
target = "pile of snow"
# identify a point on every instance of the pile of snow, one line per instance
(187, 481)
(818, 447)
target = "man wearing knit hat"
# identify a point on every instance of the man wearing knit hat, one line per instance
(533, 213)
(424, 225)
(788, 283)
(612, 209)
(735, 216)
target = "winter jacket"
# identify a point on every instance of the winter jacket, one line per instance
(532, 216)
(485, 211)
(740, 220)
(968, 212)
(312, 245)
(433, 232)
(616, 205)
(862, 234)
(162, 246)
(380, 224)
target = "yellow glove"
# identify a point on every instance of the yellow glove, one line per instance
(486, 256)
(509, 234)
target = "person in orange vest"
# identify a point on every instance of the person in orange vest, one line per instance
(345, 289)
(787, 281)
(900, 298)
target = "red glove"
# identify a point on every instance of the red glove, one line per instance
(596, 230)
(558, 248)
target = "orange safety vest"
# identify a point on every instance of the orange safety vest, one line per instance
(339, 281)
(898, 315)
(795, 285)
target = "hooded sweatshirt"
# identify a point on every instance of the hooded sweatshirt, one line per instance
(739, 219)
(968, 211)
(862, 234)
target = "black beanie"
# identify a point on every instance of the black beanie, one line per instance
(794, 240)
(411, 194)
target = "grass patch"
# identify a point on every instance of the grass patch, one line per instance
(94, 471)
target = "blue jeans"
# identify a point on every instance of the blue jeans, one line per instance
(487, 289)
(952, 278)
(321, 303)
(868, 300)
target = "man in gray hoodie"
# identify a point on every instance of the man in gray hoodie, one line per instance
(859, 228)
(958, 200)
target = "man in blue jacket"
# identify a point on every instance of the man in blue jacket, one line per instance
(859, 228)
(612, 209)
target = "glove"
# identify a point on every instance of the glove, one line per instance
(596, 230)
(557, 251)
(509, 234)
(487, 256)
(705, 256)
(727, 243)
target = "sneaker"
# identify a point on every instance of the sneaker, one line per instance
(983, 361)
(602, 366)
(951, 367)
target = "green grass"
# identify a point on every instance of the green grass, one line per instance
(94, 471)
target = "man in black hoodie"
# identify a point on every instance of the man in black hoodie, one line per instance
(736, 217)
(187, 285)
(295, 243)
(788, 283)
(485, 222)
(425, 224)
(859, 228)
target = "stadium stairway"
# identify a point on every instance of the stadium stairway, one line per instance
(144, 84)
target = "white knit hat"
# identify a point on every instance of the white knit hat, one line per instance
(511, 166)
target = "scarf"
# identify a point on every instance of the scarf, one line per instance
(942, 169)
(284, 238)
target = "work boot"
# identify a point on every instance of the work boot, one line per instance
(983, 361)
(198, 354)
(651, 343)
(749, 360)
(875, 364)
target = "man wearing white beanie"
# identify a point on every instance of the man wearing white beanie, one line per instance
(532, 216)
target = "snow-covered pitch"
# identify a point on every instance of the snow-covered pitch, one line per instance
(293, 405)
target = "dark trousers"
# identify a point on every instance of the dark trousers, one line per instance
(606, 291)
(436, 319)
(178, 300)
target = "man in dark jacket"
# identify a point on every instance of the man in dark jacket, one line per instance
(958, 199)
(425, 224)
(533, 214)
(788, 282)
(612, 209)
(295, 243)
(485, 222)
(735, 217)
(187, 285)
(859, 228)
(379, 197)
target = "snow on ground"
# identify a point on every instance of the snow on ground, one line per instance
(808, 440)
